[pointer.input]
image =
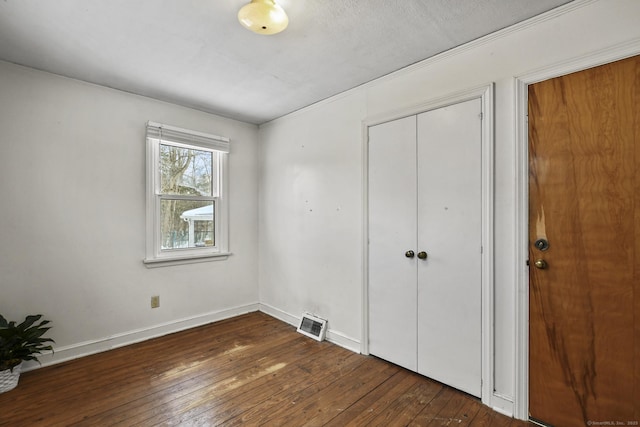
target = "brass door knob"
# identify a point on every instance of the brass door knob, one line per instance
(541, 264)
(409, 254)
(422, 255)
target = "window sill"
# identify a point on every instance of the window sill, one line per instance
(191, 259)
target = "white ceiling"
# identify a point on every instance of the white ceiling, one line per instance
(195, 53)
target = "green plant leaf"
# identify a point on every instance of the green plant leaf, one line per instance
(23, 341)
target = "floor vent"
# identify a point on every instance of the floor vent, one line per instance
(313, 327)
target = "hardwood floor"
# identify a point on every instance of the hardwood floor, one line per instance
(249, 370)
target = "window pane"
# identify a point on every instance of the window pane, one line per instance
(188, 171)
(186, 224)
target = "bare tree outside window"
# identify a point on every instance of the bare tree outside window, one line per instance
(187, 221)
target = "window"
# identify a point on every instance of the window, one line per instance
(186, 191)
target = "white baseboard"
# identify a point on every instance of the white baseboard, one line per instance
(279, 314)
(87, 348)
(502, 404)
(333, 336)
(343, 341)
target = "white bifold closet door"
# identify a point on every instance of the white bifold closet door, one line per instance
(393, 230)
(425, 196)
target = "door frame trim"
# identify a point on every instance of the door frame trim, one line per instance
(486, 94)
(521, 199)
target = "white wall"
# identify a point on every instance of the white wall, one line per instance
(72, 215)
(311, 215)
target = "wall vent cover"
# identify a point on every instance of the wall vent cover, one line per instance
(313, 327)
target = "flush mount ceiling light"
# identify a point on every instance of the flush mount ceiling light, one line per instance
(263, 17)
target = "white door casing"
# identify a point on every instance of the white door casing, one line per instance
(486, 95)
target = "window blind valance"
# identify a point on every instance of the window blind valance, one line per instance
(169, 133)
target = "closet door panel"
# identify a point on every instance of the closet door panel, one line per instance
(449, 231)
(392, 232)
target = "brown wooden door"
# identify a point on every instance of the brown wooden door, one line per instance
(584, 198)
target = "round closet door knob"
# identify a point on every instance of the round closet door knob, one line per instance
(422, 255)
(409, 254)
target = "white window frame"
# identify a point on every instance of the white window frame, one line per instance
(156, 135)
